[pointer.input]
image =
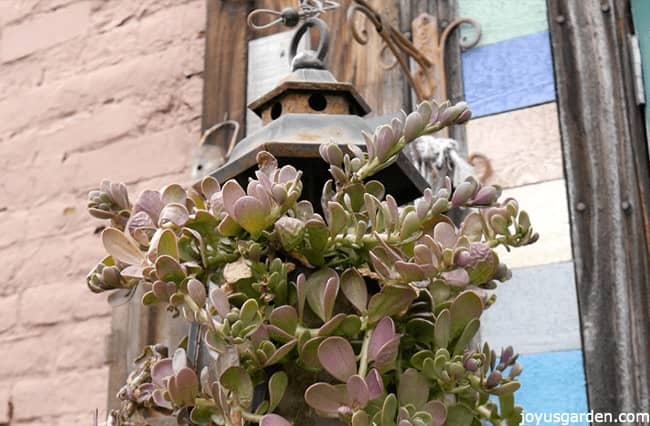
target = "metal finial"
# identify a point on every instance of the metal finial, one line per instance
(290, 16)
(310, 58)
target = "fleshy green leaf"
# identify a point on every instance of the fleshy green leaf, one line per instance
(118, 245)
(237, 380)
(277, 386)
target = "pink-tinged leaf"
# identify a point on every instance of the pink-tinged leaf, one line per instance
(187, 386)
(330, 326)
(220, 302)
(445, 235)
(330, 292)
(301, 289)
(337, 358)
(287, 174)
(383, 332)
(385, 141)
(315, 287)
(144, 392)
(326, 398)
(354, 288)
(387, 354)
(256, 190)
(251, 214)
(118, 245)
(413, 126)
(266, 162)
(174, 213)
(150, 203)
(209, 186)
(438, 412)
(158, 398)
(231, 193)
(196, 291)
(173, 193)
(463, 193)
(370, 145)
(161, 370)
(379, 266)
(456, 278)
(358, 393)
(274, 420)
(413, 388)
(375, 384)
(485, 196)
(423, 255)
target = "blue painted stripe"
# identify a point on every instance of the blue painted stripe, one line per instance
(509, 75)
(552, 382)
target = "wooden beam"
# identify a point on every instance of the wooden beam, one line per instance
(608, 179)
(224, 75)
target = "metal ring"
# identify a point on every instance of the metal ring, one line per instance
(323, 42)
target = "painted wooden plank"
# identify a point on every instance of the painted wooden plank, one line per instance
(608, 178)
(547, 205)
(503, 19)
(384, 90)
(268, 64)
(522, 146)
(509, 75)
(224, 83)
(535, 311)
(553, 382)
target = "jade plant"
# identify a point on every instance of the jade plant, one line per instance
(377, 304)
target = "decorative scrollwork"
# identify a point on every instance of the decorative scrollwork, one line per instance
(427, 49)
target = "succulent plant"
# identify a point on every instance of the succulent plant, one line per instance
(378, 303)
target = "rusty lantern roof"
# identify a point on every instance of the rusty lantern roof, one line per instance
(308, 108)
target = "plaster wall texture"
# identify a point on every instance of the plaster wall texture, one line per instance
(89, 89)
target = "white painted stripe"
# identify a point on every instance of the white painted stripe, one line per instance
(536, 311)
(546, 203)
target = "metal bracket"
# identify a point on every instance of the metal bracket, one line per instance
(427, 50)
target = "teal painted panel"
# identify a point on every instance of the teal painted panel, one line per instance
(552, 388)
(504, 19)
(641, 16)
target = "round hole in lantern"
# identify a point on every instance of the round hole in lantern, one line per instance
(276, 110)
(317, 102)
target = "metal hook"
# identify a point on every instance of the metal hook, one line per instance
(213, 129)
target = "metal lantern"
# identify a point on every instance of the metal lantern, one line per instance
(308, 108)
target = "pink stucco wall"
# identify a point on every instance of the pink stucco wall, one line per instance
(88, 89)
